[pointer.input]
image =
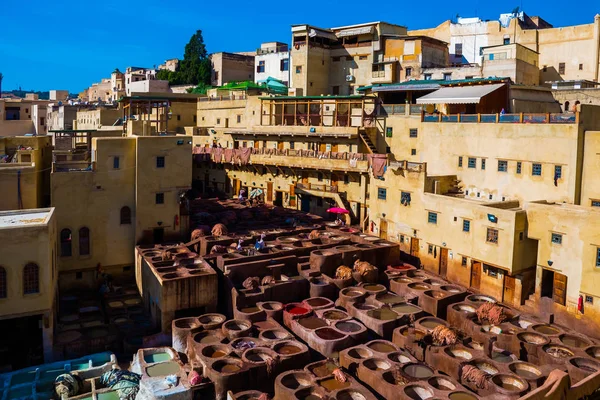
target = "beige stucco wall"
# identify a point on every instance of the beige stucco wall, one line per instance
(95, 119)
(590, 181)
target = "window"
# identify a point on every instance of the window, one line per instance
(506, 40)
(160, 162)
(598, 257)
(65, 243)
(284, 65)
(413, 132)
(84, 241)
(389, 131)
(545, 68)
(581, 67)
(3, 284)
(427, 77)
(335, 59)
(556, 238)
(362, 57)
(349, 58)
(319, 176)
(260, 67)
(502, 166)
(518, 167)
(431, 217)
(381, 193)
(557, 172)
(466, 225)
(458, 49)
(430, 249)
(595, 203)
(298, 69)
(447, 76)
(405, 198)
(42, 119)
(216, 75)
(492, 235)
(160, 198)
(413, 152)
(536, 169)
(116, 162)
(178, 117)
(463, 261)
(460, 161)
(589, 299)
(521, 235)
(195, 118)
(31, 279)
(483, 163)
(472, 162)
(292, 145)
(335, 90)
(561, 68)
(238, 118)
(346, 179)
(125, 215)
(408, 71)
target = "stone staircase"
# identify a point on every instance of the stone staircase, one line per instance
(367, 141)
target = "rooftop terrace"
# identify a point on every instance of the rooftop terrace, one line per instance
(22, 218)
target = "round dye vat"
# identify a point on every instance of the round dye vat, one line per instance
(186, 323)
(323, 369)
(259, 355)
(403, 279)
(350, 394)
(295, 380)
(236, 325)
(503, 357)
(558, 351)
(585, 364)
(317, 302)
(209, 319)
(132, 302)
(525, 370)
(574, 341)
(546, 329)
(436, 294)
(215, 351)
(243, 343)
(348, 326)
(406, 308)
(419, 371)
(308, 394)
(458, 352)
(352, 292)
(359, 353)
(163, 369)
(486, 367)
(363, 306)
(465, 308)
(206, 338)
(375, 364)
(452, 289)
(287, 348)
(593, 352)
(271, 306)
(402, 267)
(296, 310)
(441, 383)
(399, 357)
(510, 383)
(116, 304)
(250, 310)
(382, 314)
(275, 334)
(374, 288)
(435, 282)
(417, 392)
(419, 286)
(329, 334)
(312, 322)
(227, 366)
(480, 298)
(532, 338)
(331, 384)
(389, 298)
(430, 322)
(382, 346)
(462, 396)
(335, 315)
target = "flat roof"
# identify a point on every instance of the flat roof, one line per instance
(355, 96)
(25, 218)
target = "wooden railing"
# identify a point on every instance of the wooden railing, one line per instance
(318, 187)
(329, 155)
(70, 166)
(521, 118)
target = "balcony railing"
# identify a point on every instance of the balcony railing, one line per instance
(241, 96)
(401, 109)
(72, 166)
(329, 155)
(318, 187)
(522, 118)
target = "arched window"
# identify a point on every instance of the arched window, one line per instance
(65, 243)
(567, 106)
(125, 215)
(31, 279)
(3, 283)
(84, 241)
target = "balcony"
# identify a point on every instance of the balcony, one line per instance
(383, 72)
(522, 118)
(74, 166)
(401, 109)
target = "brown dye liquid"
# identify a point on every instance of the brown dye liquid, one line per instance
(420, 287)
(382, 347)
(262, 325)
(312, 397)
(390, 298)
(372, 287)
(250, 310)
(405, 309)
(546, 330)
(335, 315)
(461, 396)
(384, 314)
(430, 323)
(324, 370)
(208, 339)
(312, 322)
(587, 368)
(418, 371)
(523, 373)
(501, 357)
(573, 341)
(288, 349)
(348, 327)
(510, 387)
(229, 368)
(218, 354)
(332, 384)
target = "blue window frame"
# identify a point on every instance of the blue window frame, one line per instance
(432, 217)
(536, 169)
(595, 203)
(285, 64)
(460, 161)
(472, 162)
(502, 165)
(598, 257)
(556, 238)
(557, 171)
(116, 162)
(466, 225)
(483, 163)
(381, 193)
(518, 167)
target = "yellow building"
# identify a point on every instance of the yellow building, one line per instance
(127, 193)
(25, 163)
(23, 116)
(28, 279)
(97, 118)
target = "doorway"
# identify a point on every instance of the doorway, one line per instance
(383, 227)
(158, 235)
(443, 261)
(269, 192)
(278, 199)
(414, 247)
(554, 286)
(305, 203)
(475, 274)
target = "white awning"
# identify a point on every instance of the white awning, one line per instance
(355, 31)
(320, 33)
(459, 94)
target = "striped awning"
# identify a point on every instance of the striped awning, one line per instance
(459, 94)
(354, 31)
(323, 34)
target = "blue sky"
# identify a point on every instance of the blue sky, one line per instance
(67, 44)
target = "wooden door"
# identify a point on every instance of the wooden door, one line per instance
(256, 144)
(559, 294)
(443, 261)
(270, 192)
(279, 145)
(237, 186)
(475, 274)
(334, 148)
(305, 178)
(383, 229)
(334, 180)
(322, 147)
(293, 196)
(509, 290)
(414, 247)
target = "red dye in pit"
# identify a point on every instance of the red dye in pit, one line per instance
(297, 310)
(401, 267)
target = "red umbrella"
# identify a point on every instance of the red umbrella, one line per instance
(338, 210)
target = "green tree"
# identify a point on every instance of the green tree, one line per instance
(195, 67)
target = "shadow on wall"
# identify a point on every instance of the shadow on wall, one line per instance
(549, 75)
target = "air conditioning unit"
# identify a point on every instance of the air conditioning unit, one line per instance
(349, 78)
